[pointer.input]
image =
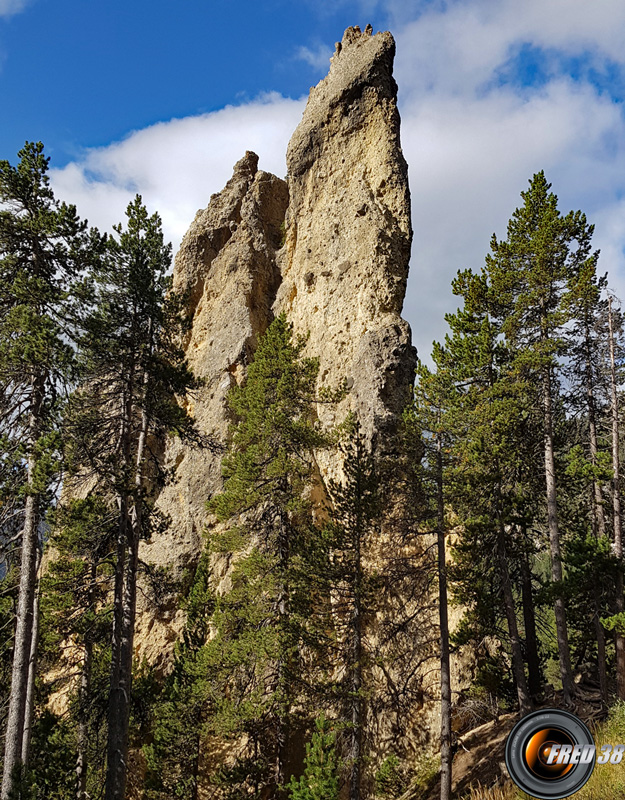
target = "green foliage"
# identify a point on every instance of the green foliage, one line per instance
(264, 634)
(320, 780)
(50, 773)
(391, 780)
(43, 248)
(274, 433)
(131, 363)
(178, 712)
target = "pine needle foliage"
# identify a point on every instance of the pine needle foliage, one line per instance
(265, 641)
(320, 780)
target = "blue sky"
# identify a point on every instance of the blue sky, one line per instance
(81, 74)
(162, 98)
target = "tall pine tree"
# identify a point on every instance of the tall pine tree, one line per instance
(133, 370)
(43, 247)
(532, 274)
(262, 622)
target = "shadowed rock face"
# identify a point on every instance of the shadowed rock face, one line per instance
(331, 248)
(226, 265)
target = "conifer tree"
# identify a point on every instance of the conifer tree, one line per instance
(182, 711)
(616, 504)
(532, 274)
(320, 780)
(43, 247)
(133, 368)
(356, 518)
(75, 609)
(425, 420)
(263, 623)
(587, 371)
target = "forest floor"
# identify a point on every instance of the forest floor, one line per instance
(479, 753)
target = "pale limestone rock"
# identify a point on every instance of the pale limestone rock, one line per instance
(226, 263)
(336, 261)
(348, 234)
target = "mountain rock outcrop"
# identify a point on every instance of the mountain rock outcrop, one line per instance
(330, 247)
(344, 264)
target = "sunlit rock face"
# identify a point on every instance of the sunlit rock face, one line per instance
(330, 247)
(344, 265)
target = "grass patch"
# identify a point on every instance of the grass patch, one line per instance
(607, 781)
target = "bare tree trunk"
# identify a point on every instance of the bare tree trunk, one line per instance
(601, 662)
(113, 745)
(446, 754)
(117, 766)
(355, 755)
(529, 622)
(83, 699)
(598, 516)
(283, 667)
(616, 506)
(518, 670)
(25, 603)
(598, 512)
(29, 711)
(564, 652)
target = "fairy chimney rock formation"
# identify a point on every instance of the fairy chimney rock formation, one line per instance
(344, 265)
(330, 247)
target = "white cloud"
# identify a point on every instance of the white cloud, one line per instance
(10, 7)
(318, 57)
(177, 165)
(471, 139)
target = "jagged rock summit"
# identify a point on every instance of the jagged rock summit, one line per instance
(344, 265)
(330, 247)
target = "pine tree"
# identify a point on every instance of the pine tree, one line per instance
(616, 505)
(133, 368)
(263, 622)
(320, 780)
(76, 612)
(356, 515)
(532, 274)
(425, 422)
(181, 712)
(588, 461)
(43, 247)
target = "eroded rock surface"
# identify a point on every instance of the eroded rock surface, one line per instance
(226, 264)
(348, 234)
(331, 248)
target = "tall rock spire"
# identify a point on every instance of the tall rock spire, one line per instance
(348, 233)
(331, 248)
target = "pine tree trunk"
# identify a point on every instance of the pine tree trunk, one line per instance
(529, 622)
(113, 745)
(598, 515)
(29, 712)
(83, 699)
(518, 670)
(616, 506)
(598, 512)
(117, 768)
(83, 729)
(601, 660)
(554, 542)
(25, 603)
(446, 754)
(284, 706)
